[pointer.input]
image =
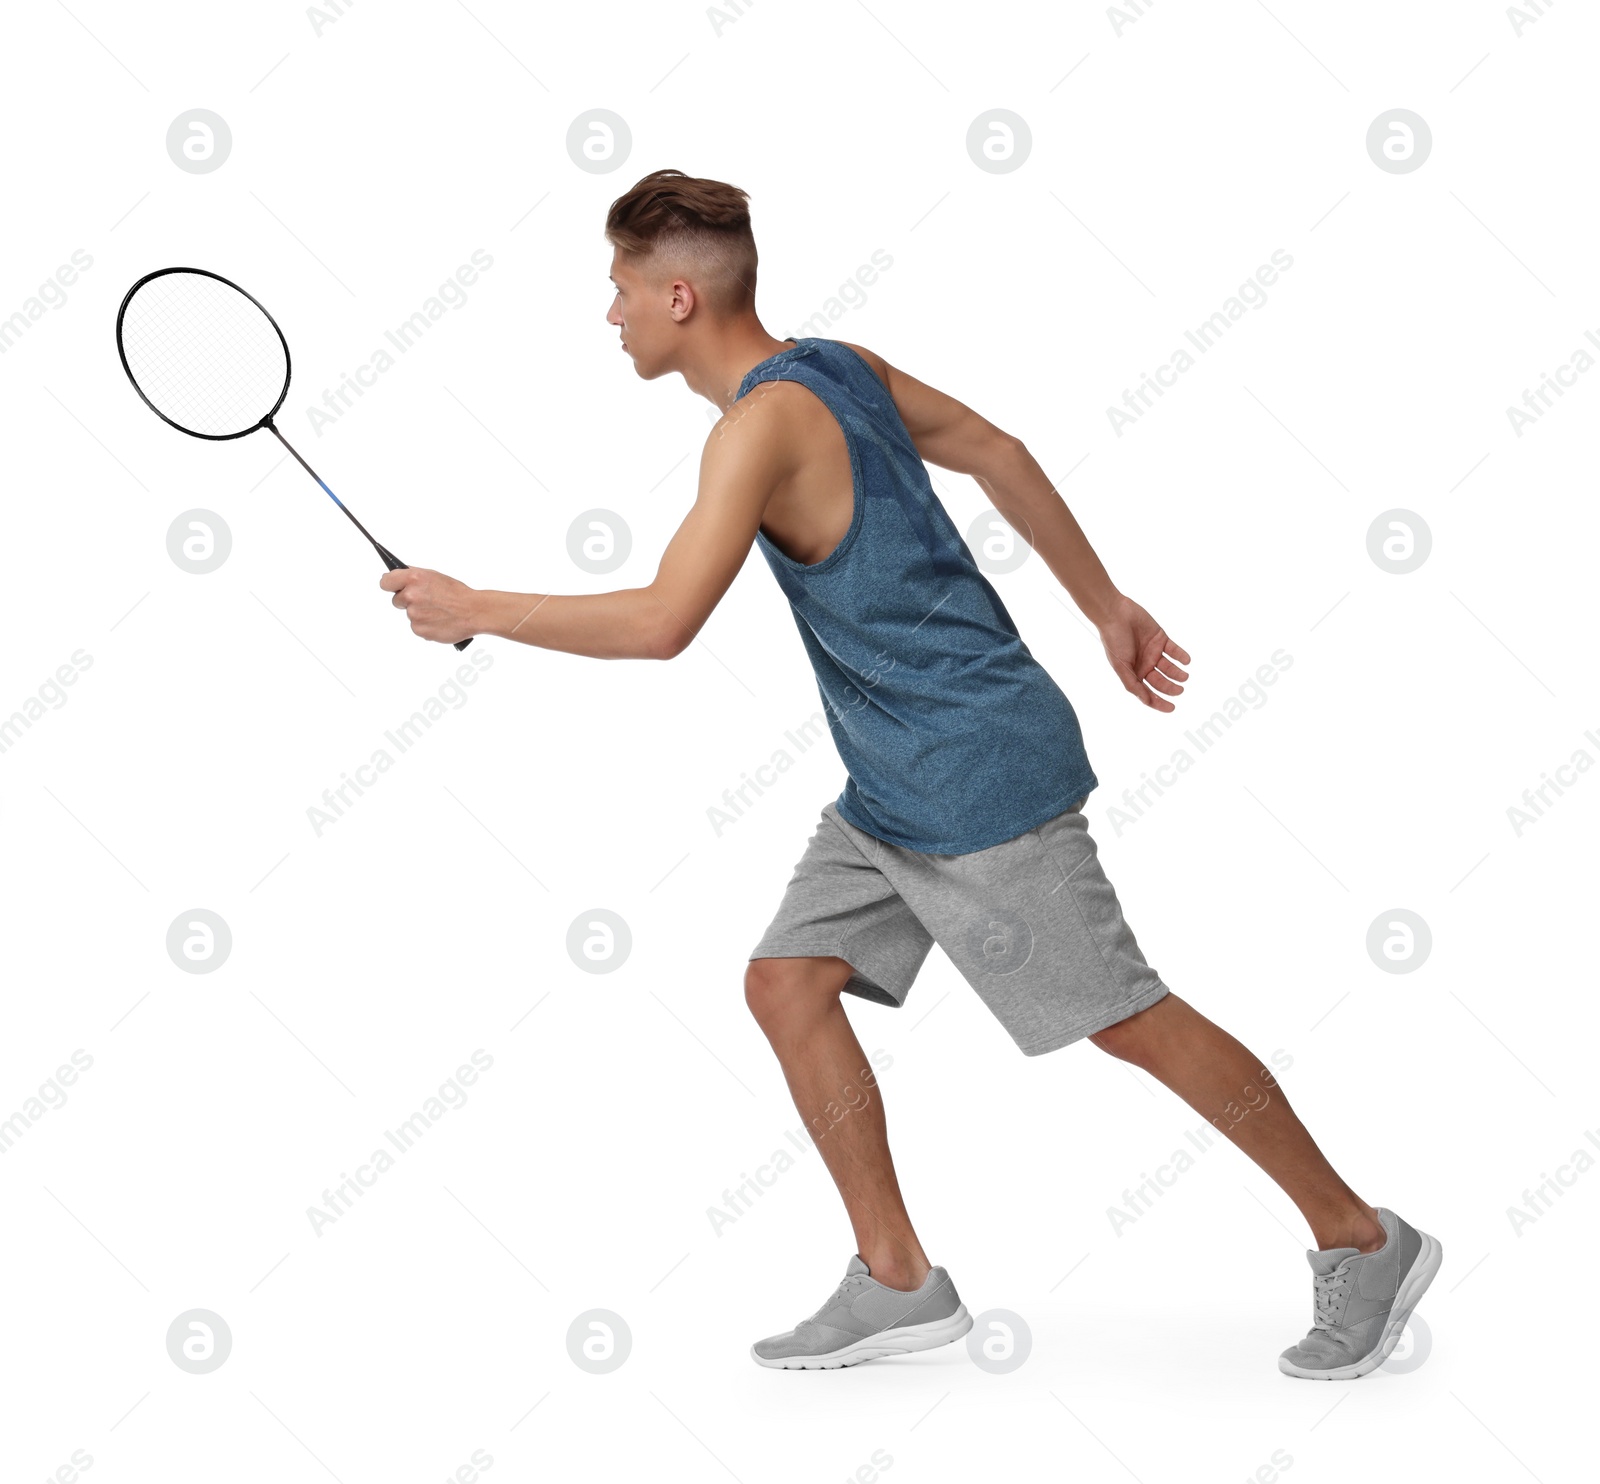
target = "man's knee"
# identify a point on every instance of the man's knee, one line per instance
(782, 990)
(1130, 1039)
(1117, 1040)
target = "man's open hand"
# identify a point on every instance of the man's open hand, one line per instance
(439, 607)
(1145, 659)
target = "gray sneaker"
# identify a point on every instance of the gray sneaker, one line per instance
(1361, 1302)
(864, 1320)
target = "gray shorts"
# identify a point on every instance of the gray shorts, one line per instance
(1032, 924)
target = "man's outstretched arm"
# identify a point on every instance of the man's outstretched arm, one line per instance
(738, 470)
(950, 434)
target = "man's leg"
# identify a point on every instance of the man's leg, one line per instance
(1228, 1085)
(796, 1003)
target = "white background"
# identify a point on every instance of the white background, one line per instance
(1171, 155)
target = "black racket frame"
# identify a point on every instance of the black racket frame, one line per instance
(390, 560)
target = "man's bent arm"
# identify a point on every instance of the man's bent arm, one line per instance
(1021, 491)
(950, 434)
(621, 625)
(738, 470)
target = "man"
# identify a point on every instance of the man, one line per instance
(961, 821)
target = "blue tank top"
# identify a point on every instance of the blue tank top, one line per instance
(954, 737)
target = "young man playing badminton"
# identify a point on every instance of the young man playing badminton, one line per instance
(961, 821)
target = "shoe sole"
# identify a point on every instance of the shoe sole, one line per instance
(1412, 1287)
(900, 1341)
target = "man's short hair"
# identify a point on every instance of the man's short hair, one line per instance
(699, 226)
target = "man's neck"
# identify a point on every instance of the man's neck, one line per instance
(716, 377)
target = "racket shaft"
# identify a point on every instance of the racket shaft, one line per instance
(390, 560)
(393, 562)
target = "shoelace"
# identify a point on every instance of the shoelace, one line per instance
(1329, 1291)
(847, 1288)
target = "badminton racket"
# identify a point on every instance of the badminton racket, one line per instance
(207, 358)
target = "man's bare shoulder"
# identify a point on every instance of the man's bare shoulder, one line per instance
(945, 430)
(770, 420)
(879, 366)
(761, 440)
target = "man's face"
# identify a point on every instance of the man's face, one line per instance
(642, 312)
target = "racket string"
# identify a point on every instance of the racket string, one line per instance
(204, 355)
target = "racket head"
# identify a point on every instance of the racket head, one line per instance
(203, 354)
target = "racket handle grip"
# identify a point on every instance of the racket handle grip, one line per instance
(394, 564)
